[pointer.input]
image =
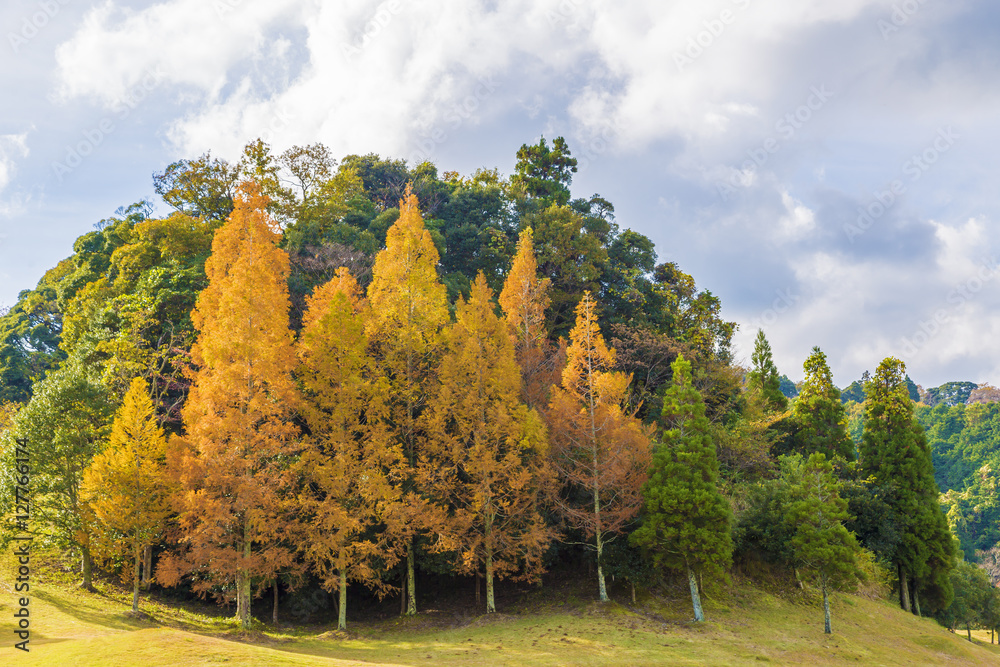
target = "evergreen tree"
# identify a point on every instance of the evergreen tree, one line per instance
(409, 309)
(490, 450)
(685, 522)
(124, 485)
(816, 513)
(763, 378)
(601, 452)
(233, 464)
(894, 453)
(820, 413)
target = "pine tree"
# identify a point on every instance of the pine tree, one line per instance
(233, 464)
(345, 460)
(125, 487)
(819, 412)
(685, 521)
(409, 308)
(763, 378)
(491, 450)
(601, 451)
(816, 513)
(894, 453)
(524, 299)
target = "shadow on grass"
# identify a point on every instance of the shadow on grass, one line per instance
(87, 613)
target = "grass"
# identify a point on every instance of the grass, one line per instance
(553, 626)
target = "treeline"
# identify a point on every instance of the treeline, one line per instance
(321, 374)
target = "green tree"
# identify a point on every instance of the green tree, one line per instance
(763, 377)
(894, 453)
(66, 423)
(685, 521)
(545, 173)
(821, 416)
(821, 543)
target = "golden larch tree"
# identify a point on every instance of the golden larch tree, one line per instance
(409, 309)
(488, 450)
(524, 299)
(345, 460)
(600, 450)
(234, 462)
(125, 488)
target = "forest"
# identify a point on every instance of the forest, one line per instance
(358, 376)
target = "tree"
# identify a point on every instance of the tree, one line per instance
(345, 460)
(894, 453)
(816, 513)
(202, 188)
(66, 422)
(124, 485)
(524, 299)
(545, 173)
(820, 413)
(600, 451)
(685, 521)
(763, 378)
(490, 450)
(408, 312)
(973, 598)
(233, 463)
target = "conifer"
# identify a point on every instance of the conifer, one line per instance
(685, 521)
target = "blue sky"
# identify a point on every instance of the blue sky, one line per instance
(828, 168)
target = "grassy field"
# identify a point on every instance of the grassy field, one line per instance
(555, 627)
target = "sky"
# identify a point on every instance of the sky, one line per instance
(828, 168)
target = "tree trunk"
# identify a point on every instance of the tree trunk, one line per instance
(491, 606)
(968, 629)
(411, 580)
(695, 596)
(274, 612)
(86, 568)
(243, 581)
(826, 606)
(904, 589)
(632, 584)
(342, 615)
(147, 567)
(477, 588)
(916, 599)
(135, 582)
(402, 596)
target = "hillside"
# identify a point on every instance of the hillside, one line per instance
(557, 625)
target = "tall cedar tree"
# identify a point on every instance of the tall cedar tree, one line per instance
(685, 523)
(409, 309)
(601, 452)
(894, 452)
(816, 513)
(345, 460)
(125, 485)
(819, 412)
(492, 449)
(235, 503)
(524, 299)
(763, 377)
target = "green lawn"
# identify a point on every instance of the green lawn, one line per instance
(71, 627)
